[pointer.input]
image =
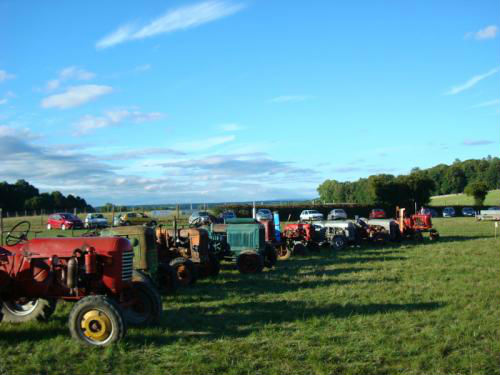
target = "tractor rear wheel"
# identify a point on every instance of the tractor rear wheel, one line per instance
(270, 256)
(283, 252)
(338, 243)
(299, 249)
(96, 320)
(167, 279)
(145, 306)
(433, 235)
(185, 272)
(25, 310)
(250, 262)
(313, 246)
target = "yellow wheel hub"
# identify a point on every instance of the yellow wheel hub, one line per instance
(96, 325)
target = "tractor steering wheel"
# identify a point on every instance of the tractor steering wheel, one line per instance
(12, 240)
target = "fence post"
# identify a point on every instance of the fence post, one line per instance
(41, 217)
(1, 227)
(74, 211)
(177, 211)
(112, 215)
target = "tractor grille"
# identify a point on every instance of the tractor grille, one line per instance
(127, 265)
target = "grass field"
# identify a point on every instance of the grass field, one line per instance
(492, 199)
(430, 308)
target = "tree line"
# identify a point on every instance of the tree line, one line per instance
(21, 195)
(475, 177)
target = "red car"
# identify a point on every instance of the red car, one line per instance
(377, 213)
(64, 221)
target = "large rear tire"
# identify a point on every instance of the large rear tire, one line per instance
(146, 306)
(249, 262)
(97, 321)
(270, 256)
(20, 311)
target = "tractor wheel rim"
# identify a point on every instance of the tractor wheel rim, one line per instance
(183, 274)
(21, 309)
(96, 326)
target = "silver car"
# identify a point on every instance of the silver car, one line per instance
(337, 214)
(95, 221)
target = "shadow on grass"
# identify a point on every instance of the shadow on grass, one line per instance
(369, 259)
(242, 319)
(18, 333)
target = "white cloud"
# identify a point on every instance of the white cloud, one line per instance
(5, 76)
(204, 144)
(178, 19)
(69, 73)
(75, 96)
(477, 142)
(471, 82)
(22, 133)
(489, 103)
(289, 99)
(489, 32)
(230, 127)
(89, 123)
(3, 101)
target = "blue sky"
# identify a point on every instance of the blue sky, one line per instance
(200, 101)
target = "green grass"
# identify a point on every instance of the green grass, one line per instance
(430, 308)
(492, 199)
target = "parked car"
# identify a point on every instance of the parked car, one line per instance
(310, 215)
(337, 214)
(468, 211)
(377, 213)
(228, 215)
(95, 221)
(137, 218)
(200, 218)
(433, 212)
(264, 214)
(448, 212)
(494, 208)
(64, 221)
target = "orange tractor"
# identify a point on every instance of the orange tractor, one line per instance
(187, 251)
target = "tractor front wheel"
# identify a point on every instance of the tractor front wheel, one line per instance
(143, 304)
(249, 262)
(96, 320)
(283, 252)
(167, 279)
(25, 310)
(338, 243)
(299, 249)
(185, 272)
(214, 265)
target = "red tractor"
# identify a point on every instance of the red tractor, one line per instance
(94, 272)
(297, 239)
(413, 226)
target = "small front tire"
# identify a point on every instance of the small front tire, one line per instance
(96, 321)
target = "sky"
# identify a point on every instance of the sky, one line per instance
(226, 100)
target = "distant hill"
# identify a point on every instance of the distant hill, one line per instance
(492, 199)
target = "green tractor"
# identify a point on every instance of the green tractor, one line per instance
(146, 263)
(243, 241)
